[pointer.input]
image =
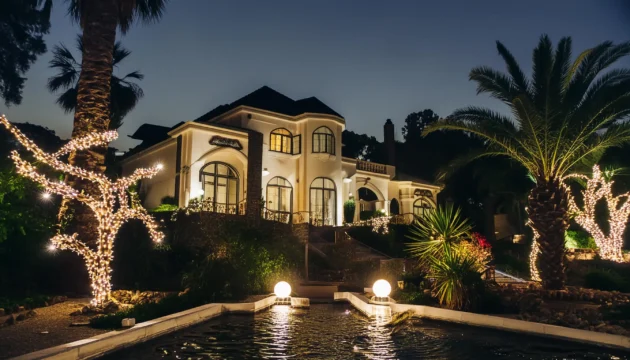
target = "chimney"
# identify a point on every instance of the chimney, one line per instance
(390, 142)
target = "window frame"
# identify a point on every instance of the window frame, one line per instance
(422, 201)
(329, 139)
(281, 137)
(216, 175)
(323, 189)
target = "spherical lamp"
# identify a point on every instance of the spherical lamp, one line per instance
(381, 288)
(283, 289)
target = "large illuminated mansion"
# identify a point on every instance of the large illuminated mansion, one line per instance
(268, 154)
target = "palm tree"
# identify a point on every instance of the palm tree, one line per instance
(563, 117)
(99, 21)
(124, 92)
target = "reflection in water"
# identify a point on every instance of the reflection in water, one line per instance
(338, 332)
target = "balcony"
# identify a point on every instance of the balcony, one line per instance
(371, 167)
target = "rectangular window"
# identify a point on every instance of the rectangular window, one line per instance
(297, 144)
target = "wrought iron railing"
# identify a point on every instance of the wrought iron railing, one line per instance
(274, 215)
(402, 219)
(371, 167)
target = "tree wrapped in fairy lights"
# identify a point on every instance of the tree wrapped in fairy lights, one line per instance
(112, 206)
(599, 187)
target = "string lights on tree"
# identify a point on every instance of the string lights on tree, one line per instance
(599, 188)
(112, 207)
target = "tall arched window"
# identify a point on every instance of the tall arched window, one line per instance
(280, 141)
(220, 187)
(323, 202)
(421, 207)
(323, 141)
(279, 199)
(394, 207)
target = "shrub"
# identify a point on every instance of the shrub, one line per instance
(413, 295)
(579, 240)
(348, 211)
(149, 311)
(605, 279)
(457, 280)
(165, 208)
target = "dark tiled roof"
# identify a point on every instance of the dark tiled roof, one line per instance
(269, 99)
(151, 133)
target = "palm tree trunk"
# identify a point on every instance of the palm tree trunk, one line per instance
(99, 22)
(548, 214)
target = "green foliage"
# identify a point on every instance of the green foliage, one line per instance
(348, 210)
(149, 311)
(457, 281)
(368, 214)
(438, 230)
(24, 24)
(170, 200)
(413, 295)
(579, 240)
(605, 279)
(165, 208)
(34, 301)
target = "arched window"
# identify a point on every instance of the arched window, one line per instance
(421, 207)
(280, 141)
(323, 202)
(394, 207)
(279, 199)
(220, 187)
(323, 141)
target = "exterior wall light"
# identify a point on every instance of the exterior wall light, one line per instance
(265, 172)
(200, 192)
(347, 180)
(159, 166)
(283, 289)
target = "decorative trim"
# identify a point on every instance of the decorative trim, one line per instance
(226, 142)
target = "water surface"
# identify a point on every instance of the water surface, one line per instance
(335, 331)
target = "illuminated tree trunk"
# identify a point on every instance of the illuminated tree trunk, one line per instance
(549, 219)
(599, 188)
(99, 22)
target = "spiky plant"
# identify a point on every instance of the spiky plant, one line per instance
(563, 117)
(440, 228)
(457, 281)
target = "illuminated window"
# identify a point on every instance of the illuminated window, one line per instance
(323, 202)
(220, 187)
(421, 207)
(279, 195)
(281, 141)
(323, 141)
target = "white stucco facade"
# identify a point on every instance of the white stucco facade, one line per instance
(303, 174)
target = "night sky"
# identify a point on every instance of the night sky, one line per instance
(368, 60)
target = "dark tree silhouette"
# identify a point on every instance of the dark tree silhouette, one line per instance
(22, 26)
(416, 122)
(124, 92)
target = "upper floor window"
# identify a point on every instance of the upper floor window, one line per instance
(281, 140)
(323, 141)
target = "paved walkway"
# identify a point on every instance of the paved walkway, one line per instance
(51, 327)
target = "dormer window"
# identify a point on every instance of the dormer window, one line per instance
(281, 140)
(324, 141)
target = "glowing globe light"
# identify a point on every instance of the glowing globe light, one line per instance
(282, 289)
(381, 288)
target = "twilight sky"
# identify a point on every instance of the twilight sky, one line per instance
(369, 60)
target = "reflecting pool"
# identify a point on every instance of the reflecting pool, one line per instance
(336, 331)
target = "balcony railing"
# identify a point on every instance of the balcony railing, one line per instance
(371, 167)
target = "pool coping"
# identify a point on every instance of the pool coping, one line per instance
(115, 340)
(361, 303)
